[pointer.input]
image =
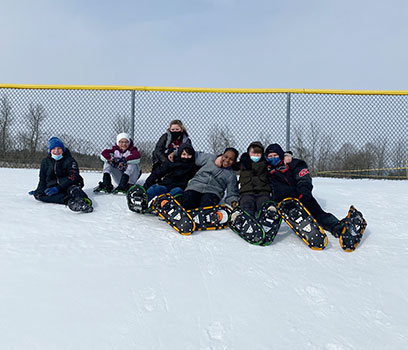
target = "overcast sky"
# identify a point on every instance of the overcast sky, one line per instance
(326, 44)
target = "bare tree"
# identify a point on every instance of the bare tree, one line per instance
(220, 138)
(5, 122)
(121, 124)
(36, 115)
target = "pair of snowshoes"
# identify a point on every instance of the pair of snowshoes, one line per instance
(306, 227)
(170, 210)
(259, 230)
(105, 186)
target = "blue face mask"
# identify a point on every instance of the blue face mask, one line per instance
(274, 161)
(56, 157)
(255, 159)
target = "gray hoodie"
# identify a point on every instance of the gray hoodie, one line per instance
(212, 179)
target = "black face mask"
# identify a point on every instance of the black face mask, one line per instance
(176, 134)
(187, 160)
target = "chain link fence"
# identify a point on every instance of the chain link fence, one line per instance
(353, 134)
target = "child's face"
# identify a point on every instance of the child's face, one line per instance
(123, 144)
(185, 155)
(228, 159)
(175, 128)
(254, 154)
(56, 151)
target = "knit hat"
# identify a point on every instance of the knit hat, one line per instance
(55, 142)
(274, 148)
(121, 136)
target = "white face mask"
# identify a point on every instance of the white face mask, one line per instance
(255, 159)
(56, 157)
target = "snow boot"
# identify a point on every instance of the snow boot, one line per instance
(80, 204)
(105, 185)
(123, 186)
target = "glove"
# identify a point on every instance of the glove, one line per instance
(52, 190)
(246, 161)
(31, 193)
(122, 165)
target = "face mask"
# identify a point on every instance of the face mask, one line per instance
(274, 161)
(56, 157)
(255, 159)
(176, 134)
(187, 160)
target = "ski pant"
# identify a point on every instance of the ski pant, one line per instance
(326, 220)
(252, 203)
(133, 170)
(62, 197)
(157, 190)
(193, 199)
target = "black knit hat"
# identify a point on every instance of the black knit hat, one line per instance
(274, 148)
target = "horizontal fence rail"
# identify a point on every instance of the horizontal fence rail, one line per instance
(344, 133)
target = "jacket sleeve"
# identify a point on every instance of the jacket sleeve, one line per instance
(134, 157)
(42, 183)
(232, 190)
(157, 174)
(202, 158)
(107, 154)
(72, 178)
(160, 149)
(303, 180)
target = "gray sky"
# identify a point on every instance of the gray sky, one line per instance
(326, 44)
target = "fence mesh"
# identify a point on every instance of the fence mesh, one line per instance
(338, 134)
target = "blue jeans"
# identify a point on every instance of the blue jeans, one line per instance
(157, 190)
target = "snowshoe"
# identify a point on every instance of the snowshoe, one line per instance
(103, 188)
(210, 218)
(137, 199)
(78, 204)
(173, 213)
(105, 185)
(299, 219)
(243, 224)
(270, 220)
(354, 226)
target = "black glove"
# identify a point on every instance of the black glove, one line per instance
(245, 160)
(122, 164)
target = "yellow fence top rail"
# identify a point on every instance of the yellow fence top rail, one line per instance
(210, 90)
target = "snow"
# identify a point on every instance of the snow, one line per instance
(114, 279)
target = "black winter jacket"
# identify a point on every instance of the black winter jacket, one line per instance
(290, 180)
(253, 177)
(61, 173)
(173, 174)
(162, 150)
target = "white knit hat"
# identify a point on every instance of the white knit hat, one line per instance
(121, 136)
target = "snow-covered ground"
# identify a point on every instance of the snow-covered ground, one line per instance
(114, 279)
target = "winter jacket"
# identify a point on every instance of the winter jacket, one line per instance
(131, 154)
(61, 173)
(173, 174)
(163, 148)
(253, 177)
(212, 179)
(290, 180)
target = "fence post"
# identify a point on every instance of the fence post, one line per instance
(132, 115)
(288, 95)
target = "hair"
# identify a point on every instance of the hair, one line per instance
(180, 124)
(189, 150)
(233, 150)
(255, 149)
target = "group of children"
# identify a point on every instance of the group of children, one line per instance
(199, 179)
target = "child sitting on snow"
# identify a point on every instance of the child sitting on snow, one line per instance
(122, 163)
(60, 181)
(172, 176)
